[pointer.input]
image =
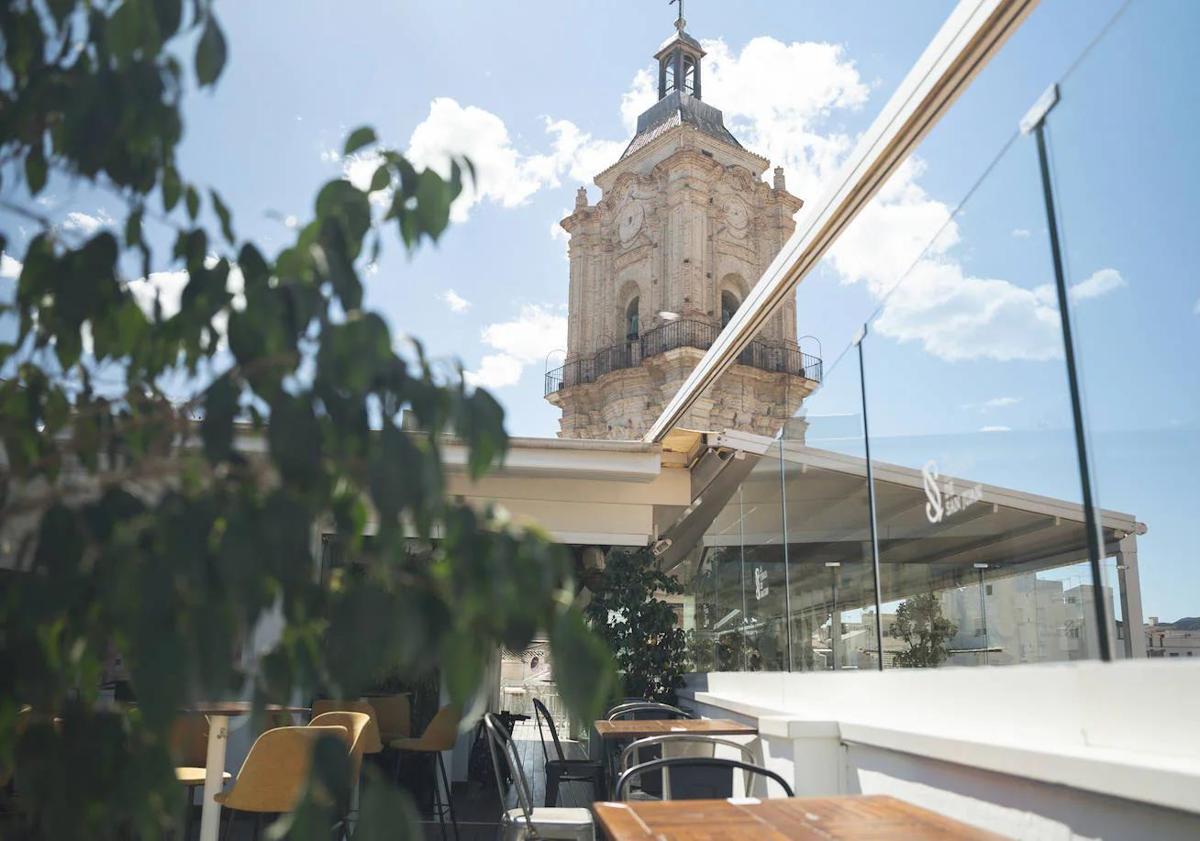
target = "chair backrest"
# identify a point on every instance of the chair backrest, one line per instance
(372, 741)
(442, 731)
(272, 777)
(500, 743)
(393, 713)
(682, 744)
(540, 712)
(687, 783)
(698, 763)
(647, 710)
(359, 727)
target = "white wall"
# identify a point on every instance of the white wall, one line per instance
(1042, 751)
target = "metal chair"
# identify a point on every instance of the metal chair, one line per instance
(643, 711)
(699, 763)
(527, 821)
(561, 769)
(691, 783)
(647, 710)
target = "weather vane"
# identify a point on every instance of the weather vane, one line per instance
(679, 20)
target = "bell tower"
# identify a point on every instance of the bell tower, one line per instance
(685, 225)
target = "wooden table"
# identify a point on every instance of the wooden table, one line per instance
(218, 714)
(749, 819)
(639, 729)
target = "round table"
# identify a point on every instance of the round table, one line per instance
(218, 714)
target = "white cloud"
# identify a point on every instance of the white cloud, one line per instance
(167, 287)
(457, 303)
(1100, 283)
(86, 223)
(994, 403)
(10, 267)
(558, 234)
(530, 337)
(641, 95)
(1021, 233)
(504, 175)
(1196, 308)
(496, 370)
(777, 99)
(995, 429)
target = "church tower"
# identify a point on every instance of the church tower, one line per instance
(684, 227)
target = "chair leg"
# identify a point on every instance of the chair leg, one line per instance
(553, 776)
(449, 797)
(187, 814)
(228, 825)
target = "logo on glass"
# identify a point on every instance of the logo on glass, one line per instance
(944, 499)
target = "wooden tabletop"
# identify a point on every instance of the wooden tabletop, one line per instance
(665, 727)
(857, 817)
(236, 708)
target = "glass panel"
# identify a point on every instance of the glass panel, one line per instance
(1126, 172)
(828, 527)
(983, 557)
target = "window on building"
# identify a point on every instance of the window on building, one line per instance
(632, 327)
(689, 75)
(729, 305)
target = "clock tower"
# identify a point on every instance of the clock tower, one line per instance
(684, 227)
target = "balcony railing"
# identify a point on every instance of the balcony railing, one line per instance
(776, 357)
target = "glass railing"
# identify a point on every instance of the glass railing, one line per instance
(929, 503)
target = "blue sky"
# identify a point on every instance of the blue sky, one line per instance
(541, 94)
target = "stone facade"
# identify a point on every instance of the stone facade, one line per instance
(685, 225)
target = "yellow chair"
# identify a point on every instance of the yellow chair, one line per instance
(372, 735)
(362, 733)
(439, 736)
(394, 715)
(272, 778)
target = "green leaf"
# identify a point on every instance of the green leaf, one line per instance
(583, 666)
(168, 14)
(224, 215)
(386, 813)
(192, 199)
(131, 28)
(210, 53)
(382, 179)
(220, 409)
(133, 227)
(433, 203)
(35, 169)
(359, 138)
(172, 187)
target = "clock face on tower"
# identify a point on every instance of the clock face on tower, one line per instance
(738, 216)
(630, 222)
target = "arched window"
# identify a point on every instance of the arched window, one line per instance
(632, 328)
(689, 75)
(729, 305)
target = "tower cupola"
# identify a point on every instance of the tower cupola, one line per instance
(679, 63)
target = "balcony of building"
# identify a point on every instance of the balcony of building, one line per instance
(776, 357)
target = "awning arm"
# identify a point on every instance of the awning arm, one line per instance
(971, 35)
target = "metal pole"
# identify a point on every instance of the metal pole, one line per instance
(787, 581)
(862, 382)
(1060, 282)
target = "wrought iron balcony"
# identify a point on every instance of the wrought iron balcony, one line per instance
(776, 357)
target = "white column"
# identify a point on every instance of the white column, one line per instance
(214, 776)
